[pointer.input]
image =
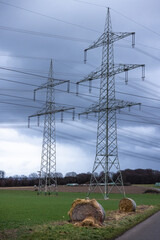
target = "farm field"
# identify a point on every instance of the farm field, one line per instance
(25, 209)
(146, 185)
(84, 188)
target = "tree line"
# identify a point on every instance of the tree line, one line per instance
(137, 176)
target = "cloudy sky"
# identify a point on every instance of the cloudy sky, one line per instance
(35, 31)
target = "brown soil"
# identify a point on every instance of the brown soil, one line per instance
(83, 188)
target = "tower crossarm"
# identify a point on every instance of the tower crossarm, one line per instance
(117, 68)
(44, 112)
(113, 37)
(94, 108)
(113, 105)
(93, 75)
(120, 35)
(119, 104)
(98, 43)
(51, 85)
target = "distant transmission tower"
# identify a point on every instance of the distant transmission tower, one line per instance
(106, 158)
(47, 173)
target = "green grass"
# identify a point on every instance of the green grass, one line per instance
(147, 185)
(66, 231)
(24, 209)
(70, 232)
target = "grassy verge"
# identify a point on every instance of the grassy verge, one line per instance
(45, 217)
(24, 208)
(64, 231)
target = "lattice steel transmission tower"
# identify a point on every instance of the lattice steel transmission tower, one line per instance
(106, 158)
(47, 173)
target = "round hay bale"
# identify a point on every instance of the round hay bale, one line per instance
(127, 205)
(152, 190)
(82, 209)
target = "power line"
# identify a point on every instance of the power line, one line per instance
(71, 38)
(137, 135)
(94, 4)
(27, 73)
(83, 94)
(37, 75)
(71, 105)
(144, 157)
(139, 116)
(43, 58)
(142, 51)
(147, 54)
(24, 98)
(37, 100)
(129, 153)
(17, 104)
(125, 120)
(145, 90)
(133, 121)
(135, 95)
(40, 34)
(89, 95)
(124, 16)
(49, 17)
(120, 119)
(140, 24)
(137, 138)
(72, 137)
(14, 81)
(137, 43)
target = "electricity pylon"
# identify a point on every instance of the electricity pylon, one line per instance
(47, 173)
(106, 157)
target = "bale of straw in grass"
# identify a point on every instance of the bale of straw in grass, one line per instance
(86, 212)
(127, 205)
(152, 190)
(88, 222)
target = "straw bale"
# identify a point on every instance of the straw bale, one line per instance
(127, 205)
(152, 190)
(88, 222)
(87, 212)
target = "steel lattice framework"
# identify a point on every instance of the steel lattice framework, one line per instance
(106, 157)
(47, 173)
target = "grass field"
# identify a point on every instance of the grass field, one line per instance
(20, 209)
(147, 185)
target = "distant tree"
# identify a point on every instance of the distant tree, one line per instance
(83, 178)
(140, 176)
(58, 175)
(2, 174)
(23, 177)
(102, 177)
(33, 176)
(95, 174)
(16, 177)
(10, 182)
(71, 174)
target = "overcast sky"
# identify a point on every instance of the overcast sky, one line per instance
(35, 31)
